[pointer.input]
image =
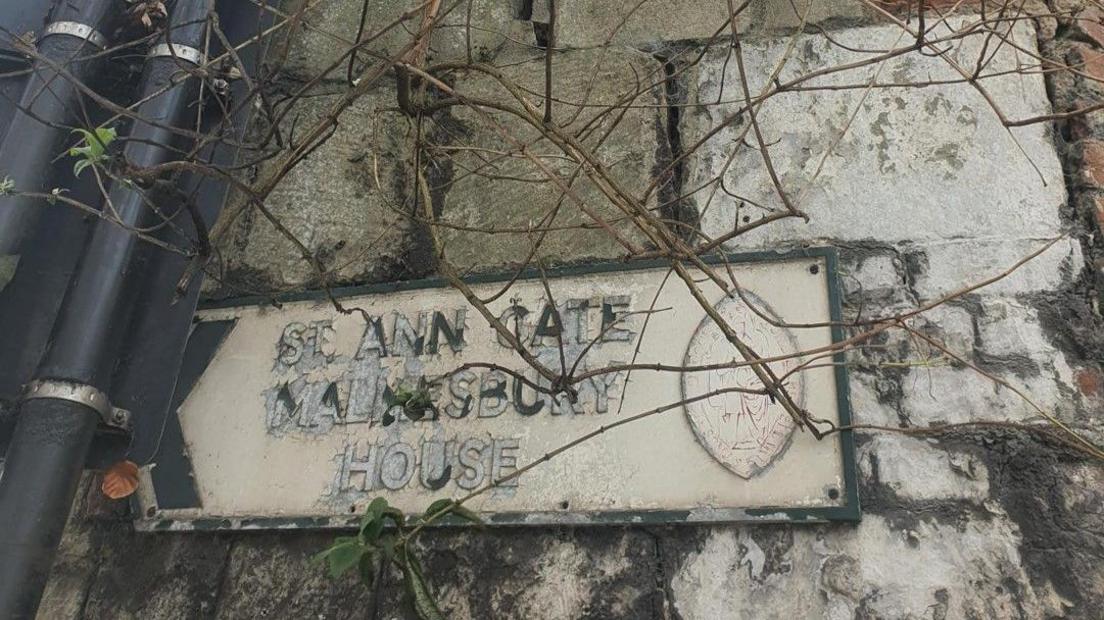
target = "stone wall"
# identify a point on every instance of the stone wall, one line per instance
(925, 193)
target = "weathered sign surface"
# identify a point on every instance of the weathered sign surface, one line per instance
(299, 418)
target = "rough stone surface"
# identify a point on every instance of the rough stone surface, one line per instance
(143, 577)
(877, 571)
(928, 147)
(269, 576)
(330, 27)
(914, 469)
(585, 83)
(926, 193)
(554, 574)
(74, 565)
(951, 265)
(343, 202)
(587, 23)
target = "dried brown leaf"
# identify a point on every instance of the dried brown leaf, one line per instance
(120, 480)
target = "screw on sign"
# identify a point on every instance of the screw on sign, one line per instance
(744, 432)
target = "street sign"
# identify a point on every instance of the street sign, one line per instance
(298, 414)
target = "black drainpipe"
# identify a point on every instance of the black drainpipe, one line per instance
(67, 399)
(73, 41)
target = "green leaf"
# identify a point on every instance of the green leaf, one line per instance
(344, 556)
(451, 507)
(92, 147)
(466, 514)
(321, 556)
(438, 506)
(80, 166)
(375, 518)
(106, 135)
(400, 396)
(371, 530)
(424, 603)
(85, 137)
(395, 515)
(375, 510)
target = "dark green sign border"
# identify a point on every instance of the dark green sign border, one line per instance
(849, 509)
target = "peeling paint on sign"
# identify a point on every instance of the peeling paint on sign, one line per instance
(305, 414)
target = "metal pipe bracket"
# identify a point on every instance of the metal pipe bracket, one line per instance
(81, 394)
(177, 50)
(76, 29)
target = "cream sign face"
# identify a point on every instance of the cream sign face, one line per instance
(299, 415)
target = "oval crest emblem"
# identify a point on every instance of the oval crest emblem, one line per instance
(744, 432)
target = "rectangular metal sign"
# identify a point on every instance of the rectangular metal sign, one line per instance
(299, 415)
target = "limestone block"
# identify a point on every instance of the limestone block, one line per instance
(929, 165)
(952, 265)
(944, 394)
(494, 185)
(951, 326)
(343, 202)
(873, 277)
(540, 573)
(489, 573)
(272, 576)
(1010, 329)
(878, 569)
(329, 29)
(916, 469)
(586, 23)
(64, 593)
(868, 404)
(141, 576)
(1083, 495)
(998, 335)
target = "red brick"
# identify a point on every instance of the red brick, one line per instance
(1089, 382)
(1089, 61)
(1091, 23)
(1079, 126)
(1092, 162)
(1098, 211)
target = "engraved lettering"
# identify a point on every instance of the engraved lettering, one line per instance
(613, 322)
(454, 334)
(492, 395)
(290, 348)
(504, 460)
(471, 460)
(373, 343)
(460, 388)
(549, 325)
(397, 466)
